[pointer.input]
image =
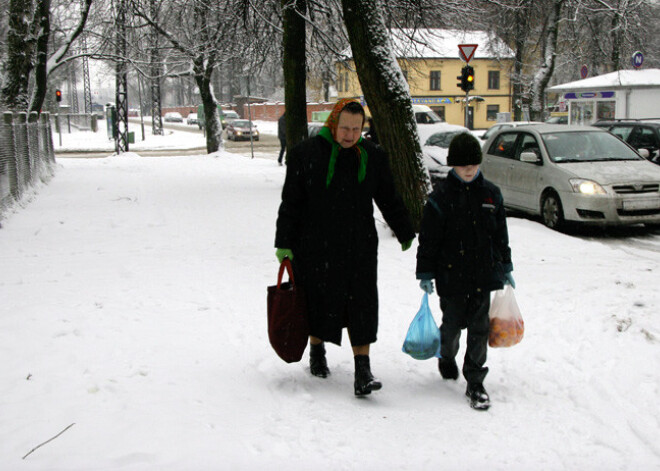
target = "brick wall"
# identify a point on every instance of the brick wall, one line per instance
(272, 111)
(260, 111)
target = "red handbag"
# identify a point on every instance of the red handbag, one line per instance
(288, 329)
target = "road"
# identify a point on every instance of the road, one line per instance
(268, 146)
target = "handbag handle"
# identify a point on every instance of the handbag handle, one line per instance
(286, 263)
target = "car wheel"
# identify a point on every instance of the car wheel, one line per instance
(552, 213)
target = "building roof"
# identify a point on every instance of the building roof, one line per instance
(618, 79)
(433, 43)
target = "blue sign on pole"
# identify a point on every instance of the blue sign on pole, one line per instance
(637, 59)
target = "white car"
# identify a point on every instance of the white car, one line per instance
(173, 117)
(192, 118)
(428, 122)
(581, 174)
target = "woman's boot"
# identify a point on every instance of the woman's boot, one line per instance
(318, 365)
(364, 380)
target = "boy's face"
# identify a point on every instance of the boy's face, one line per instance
(467, 172)
(349, 129)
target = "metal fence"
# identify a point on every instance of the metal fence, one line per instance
(26, 154)
(71, 122)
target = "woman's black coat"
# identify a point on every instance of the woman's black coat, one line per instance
(332, 234)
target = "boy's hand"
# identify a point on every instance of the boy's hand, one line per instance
(508, 280)
(427, 286)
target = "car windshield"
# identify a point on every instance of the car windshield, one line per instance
(441, 139)
(230, 114)
(427, 117)
(241, 123)
(586, 146)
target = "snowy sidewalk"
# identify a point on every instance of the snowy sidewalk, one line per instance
(133, 306)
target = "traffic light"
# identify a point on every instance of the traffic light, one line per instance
(469, 77)
(466, 78)
(58, 95)
(461, 80)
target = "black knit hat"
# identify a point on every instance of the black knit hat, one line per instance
(464, 149)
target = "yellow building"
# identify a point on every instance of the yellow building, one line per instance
(431, 65)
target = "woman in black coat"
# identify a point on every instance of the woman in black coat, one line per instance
(326, 226)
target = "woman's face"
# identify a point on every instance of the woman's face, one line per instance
(349, 129)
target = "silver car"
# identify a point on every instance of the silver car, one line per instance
(572, 173)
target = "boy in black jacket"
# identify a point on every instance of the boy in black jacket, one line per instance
(464, 246)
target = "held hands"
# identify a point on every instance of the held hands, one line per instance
(508, 280)
(281, 254)
(406, 245)
(427, 286)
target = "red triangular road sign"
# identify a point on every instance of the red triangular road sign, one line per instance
(466, 51)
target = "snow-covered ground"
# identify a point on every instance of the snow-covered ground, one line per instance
(133, 307)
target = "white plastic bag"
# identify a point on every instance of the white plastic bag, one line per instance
(506, 323)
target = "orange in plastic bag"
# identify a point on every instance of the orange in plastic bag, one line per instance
(506, 323)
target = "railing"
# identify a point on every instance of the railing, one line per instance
(26, 155)
(65, 122)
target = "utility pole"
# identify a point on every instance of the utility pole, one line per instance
(156, 111)
(121, 89)
(86, 85)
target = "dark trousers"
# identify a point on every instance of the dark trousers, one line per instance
(282, 150)
(466, 311)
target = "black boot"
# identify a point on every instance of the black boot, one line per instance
(448, 368)
(364, 380)
(477, 396)
(318, 365)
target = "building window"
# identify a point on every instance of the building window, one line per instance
(342, 82)
(435, 80)
(605, 109)
(493, 79)
(491, 112)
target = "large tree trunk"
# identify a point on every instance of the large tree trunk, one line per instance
(211, 117)
(42, 15)
(543, 75)
(388, 97)
(295, 74)
(20, 48)
(521, 27)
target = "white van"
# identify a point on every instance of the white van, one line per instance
(428, 122)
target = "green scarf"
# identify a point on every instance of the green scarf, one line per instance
(326, 133)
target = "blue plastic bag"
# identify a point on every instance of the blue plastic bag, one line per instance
(423, 338)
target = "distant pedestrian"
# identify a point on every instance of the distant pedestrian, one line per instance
(371, 133)
(464, 246)
(281, 134)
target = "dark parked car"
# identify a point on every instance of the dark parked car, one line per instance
(240, 129)
(435, 151)
(641, 134)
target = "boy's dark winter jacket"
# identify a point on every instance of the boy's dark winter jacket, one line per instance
(463, 240)
(332, 234)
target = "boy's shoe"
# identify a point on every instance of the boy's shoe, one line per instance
(318, 365)
(448, 368)
(477, 396)
(364, 380)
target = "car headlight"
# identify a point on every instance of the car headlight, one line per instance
(586, 187)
